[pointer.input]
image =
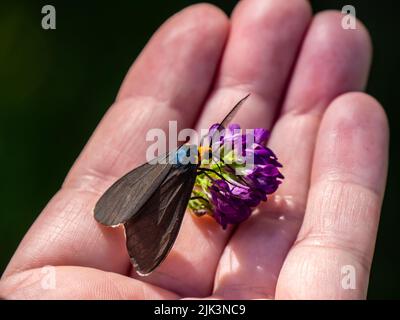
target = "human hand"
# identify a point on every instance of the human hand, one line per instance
(333, 143)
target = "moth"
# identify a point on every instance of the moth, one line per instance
(150, 201)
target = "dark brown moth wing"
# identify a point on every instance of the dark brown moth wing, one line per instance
(128, 194)
(152, 232)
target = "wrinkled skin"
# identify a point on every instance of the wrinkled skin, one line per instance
(302, 71)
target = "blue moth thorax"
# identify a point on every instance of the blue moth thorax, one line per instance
(187, 154)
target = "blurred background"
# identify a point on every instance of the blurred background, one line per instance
(55, 86)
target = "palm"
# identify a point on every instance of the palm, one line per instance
(333, 147)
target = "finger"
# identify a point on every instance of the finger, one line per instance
(187, 48)
(325, 68)
(332, 256)
(255, 54)
(259, 55)
(169, 81)
(77, 283)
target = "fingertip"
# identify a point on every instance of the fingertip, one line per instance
(359, 110)
(332, 61)
(204, 17)
(329, 25)
(192, 39)
(206, 10)
(259, 8)
(352, 143)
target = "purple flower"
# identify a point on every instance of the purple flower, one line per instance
(265, 177)
(228, 207)
(261, 135)
(233, 197)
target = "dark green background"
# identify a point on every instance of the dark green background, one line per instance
(56, 85)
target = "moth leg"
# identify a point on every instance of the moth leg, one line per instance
(233, 169)
(205, 170)
(199, 198)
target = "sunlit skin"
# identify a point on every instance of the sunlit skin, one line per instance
(302, 72)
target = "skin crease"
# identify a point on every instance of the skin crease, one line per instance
(303, 72)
